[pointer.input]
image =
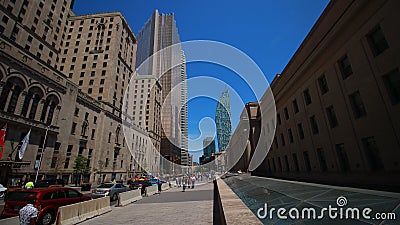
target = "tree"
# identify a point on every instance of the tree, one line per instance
(98, 170)
(81, 167)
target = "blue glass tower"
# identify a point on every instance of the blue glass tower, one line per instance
(223, 120)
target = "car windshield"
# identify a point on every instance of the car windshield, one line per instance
(105, 186)
(20, 195)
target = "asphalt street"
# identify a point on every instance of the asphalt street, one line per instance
(194, 206)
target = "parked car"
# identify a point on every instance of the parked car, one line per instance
(109, 189)
(48, 200)
(50, 183)
(2, 191)
(140, 184)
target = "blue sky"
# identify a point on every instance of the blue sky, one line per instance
(267, 31)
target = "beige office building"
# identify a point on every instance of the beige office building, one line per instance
(338, 100)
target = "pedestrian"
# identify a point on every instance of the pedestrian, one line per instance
(193, 180)
(180, 181)
(29, 185)
(159, 183)
(28, 214)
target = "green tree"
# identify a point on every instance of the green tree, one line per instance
(100, 165)
(81, 167)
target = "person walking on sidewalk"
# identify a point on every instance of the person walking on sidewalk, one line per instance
(193, 179)
(159, 183)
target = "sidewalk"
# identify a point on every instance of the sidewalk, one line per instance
(194, 206)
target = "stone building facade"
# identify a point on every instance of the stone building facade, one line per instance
(66, 74)
(337, 101)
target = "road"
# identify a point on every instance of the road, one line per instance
(194, 206)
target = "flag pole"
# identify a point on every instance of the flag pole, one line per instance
(41, 155)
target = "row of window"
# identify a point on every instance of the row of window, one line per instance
(371, 152)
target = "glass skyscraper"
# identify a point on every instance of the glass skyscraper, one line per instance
(223, 120)
(160, 32)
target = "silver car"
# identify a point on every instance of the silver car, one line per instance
(109, 189)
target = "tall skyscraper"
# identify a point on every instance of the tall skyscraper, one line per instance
(208, 146)
(160, 32)
(184, 113)
(223, 120)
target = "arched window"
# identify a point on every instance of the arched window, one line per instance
(10, 94)
(35, 103)
(4, 95)
(44, 110)
(52, 104)
(25, 106)
(31, 102)
(14, 99)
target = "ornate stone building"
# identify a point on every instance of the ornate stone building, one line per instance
(66, 74)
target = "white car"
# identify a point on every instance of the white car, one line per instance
(2, 191)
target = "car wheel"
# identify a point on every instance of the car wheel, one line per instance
(47, 218)
(115, 197)
(2, 194)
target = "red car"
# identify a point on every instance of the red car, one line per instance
(48, 200)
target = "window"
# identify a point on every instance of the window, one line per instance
(82, 74)
(282, 140)
(323, 85)
(100, 90)
(286, 163)
(330, 112)
(345, 67)
(314, 125)
(92, 135)
(5, 19)
(95, 119)
(90, 90)
(307, 161)
(372, 153)
(295, 162)
(91, 82)
(392, 84)
(342, 157)
(295, 106)
(322, 160)
(290, 135)
(80, 82)
(377, 41)
(73, 128)
(53, 162)
(300, 130)
(76, 113)
(285, 110)
(307, 96)
(357, 105)
(94, 65)
(102, 81)
(278, 116)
